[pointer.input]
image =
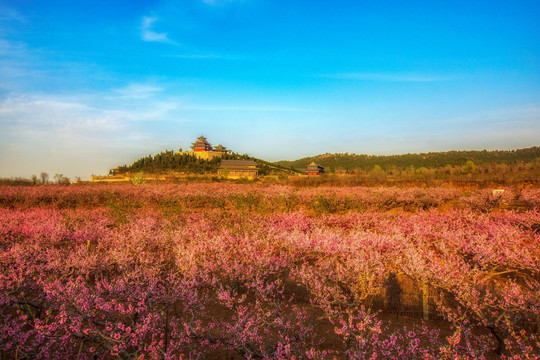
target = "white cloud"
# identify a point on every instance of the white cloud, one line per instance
(77, 135)
(148, 34)
(37, 118)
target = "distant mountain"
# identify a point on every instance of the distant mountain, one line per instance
(349, 162)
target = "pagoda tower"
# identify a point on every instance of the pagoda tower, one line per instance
(201, 145)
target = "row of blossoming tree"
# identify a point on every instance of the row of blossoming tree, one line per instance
(265, 198)
(203, 271)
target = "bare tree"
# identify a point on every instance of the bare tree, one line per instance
(44, 178)
(60, 179)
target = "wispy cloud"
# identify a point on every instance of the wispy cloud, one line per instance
(18, 65)
(245, 108)
(55, 115)
(148, 34)
(9, 14)
(24, 68)
(514, 118)
(138, 91)
(220, 2)
(198, 56)
(10, 49)
(387, 77)
(500, 128)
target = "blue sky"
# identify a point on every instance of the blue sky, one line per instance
(86, 85)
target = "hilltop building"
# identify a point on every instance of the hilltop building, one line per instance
(236, 169)
(314, 169)
(201, 145)
(202, 149)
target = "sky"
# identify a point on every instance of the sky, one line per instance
(88, 85)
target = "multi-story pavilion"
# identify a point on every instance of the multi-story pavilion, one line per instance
(201, 145)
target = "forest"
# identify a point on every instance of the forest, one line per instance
(352, 162)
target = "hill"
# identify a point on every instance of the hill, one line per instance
(170, 161)
(352, 162)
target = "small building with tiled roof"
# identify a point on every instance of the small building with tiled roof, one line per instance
(236, 169)
(115, 171)
(314, 169)
(220, 148)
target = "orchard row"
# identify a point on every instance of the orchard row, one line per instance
(265, 199)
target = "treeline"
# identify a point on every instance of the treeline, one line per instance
(353, 162)
(34, 180)
(17, 181)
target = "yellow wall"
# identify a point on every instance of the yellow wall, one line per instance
(237, 174)
(205, 155)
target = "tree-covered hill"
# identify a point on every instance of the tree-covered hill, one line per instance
(350, 162)
(170, 160)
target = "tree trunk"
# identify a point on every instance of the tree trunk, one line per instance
(425, 300)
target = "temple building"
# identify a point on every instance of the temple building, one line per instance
(202, 149)
(236, 169)
(314, 169)
(201, 145)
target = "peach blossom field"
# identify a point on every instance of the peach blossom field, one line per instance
(244, 271)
